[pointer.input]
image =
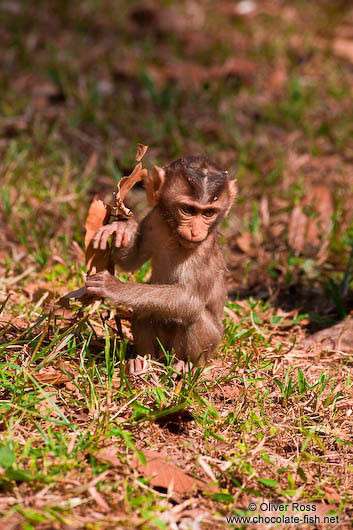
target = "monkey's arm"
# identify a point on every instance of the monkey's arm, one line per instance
(160, 301)
(131, 246)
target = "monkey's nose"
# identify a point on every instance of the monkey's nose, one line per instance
(199, 235)
(195, 232)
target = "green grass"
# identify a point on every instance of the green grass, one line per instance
(271, 420)
(63, 425)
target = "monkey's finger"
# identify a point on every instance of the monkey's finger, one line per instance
(133, 367)
(118, 236)
(137, 366)
(179, 368)
(95, 291)
(104, 239)
(94, 280)
(125, 239)
(96, 239)
(130, 367)
(95, 284)
(101, 234)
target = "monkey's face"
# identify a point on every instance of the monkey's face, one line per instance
(193, 198)
(194, 222)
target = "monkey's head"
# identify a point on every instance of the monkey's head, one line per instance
(194, 196)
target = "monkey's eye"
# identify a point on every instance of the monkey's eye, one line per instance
(209, 213)
(187, 209)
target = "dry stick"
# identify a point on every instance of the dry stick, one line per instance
(120, 211)
(119, 326)
(96, 213)
(44, 334)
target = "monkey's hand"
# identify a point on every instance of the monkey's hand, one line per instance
(124, 232)
(103, 285)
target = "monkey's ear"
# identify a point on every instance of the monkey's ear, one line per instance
(233, 188)
(154, 183)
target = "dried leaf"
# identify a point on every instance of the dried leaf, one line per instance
(125, 184)
(310, 221)
(108, 454)
(332, 494)
(278, 78)
(322, 201)
(38, 292)
(231, 392)
(164, 474)
(207, 468)
(71, 387)
(98, 215)
(99, 499)
(191, 73)
(337, 337)
(296, 231)
(344, 48)
(264, 211)
(141, 151)
(235, 66)
(245, 243)
(96, 259)
(48, 405)
(53, 375)
(13, 522)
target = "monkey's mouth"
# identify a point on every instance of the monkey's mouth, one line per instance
(188, 243)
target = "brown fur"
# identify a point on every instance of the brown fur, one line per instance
(183, 304)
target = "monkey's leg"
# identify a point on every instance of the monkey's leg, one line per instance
(145, 343)
(144, 332)
(195, 343)
(198, 341)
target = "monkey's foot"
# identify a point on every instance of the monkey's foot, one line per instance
(137, 366)
(182, 367)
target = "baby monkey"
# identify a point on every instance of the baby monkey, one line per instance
(183, 304)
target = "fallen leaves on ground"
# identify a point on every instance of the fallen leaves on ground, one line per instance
(50, 374)
(62, 374)
(310, 221)
(245, 242)
(165, 474)
(344, 48)
(99, 499)
(194, 74)
(338, 337)
(108, 454)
